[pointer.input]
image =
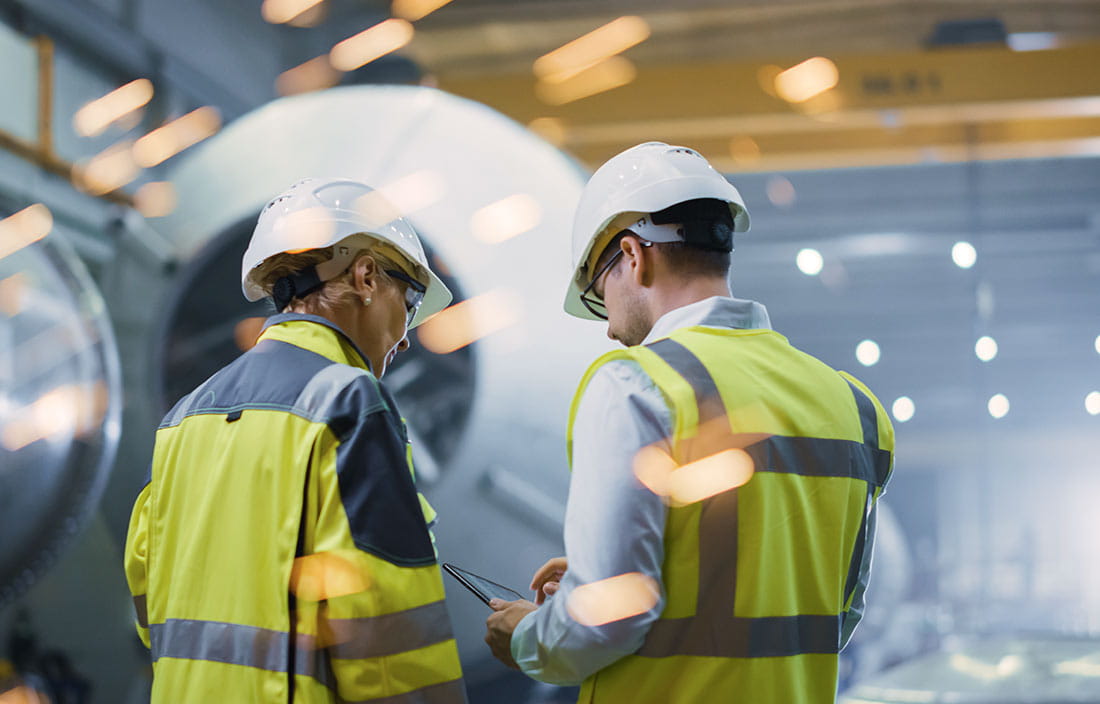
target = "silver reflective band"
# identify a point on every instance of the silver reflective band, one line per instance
(452, 692)
(378, 636)
(220, 642)
(268, 649)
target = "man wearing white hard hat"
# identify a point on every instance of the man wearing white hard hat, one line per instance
(721, 508)
(280, 551)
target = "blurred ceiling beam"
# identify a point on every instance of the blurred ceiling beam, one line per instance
(895, 108)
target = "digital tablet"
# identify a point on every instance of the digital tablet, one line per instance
(484, 589)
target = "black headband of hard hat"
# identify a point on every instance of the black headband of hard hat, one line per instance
(288, 287)
(708, 223)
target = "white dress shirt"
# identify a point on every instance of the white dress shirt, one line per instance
(614, 524)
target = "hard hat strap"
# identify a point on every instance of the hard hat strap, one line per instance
(707, 223)
(294, 286)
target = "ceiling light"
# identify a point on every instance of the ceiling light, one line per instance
(868, 353)
(964, 255)
(985, 348)
(903, 409)
(809, 261)
(998, 406)
(1092, 403)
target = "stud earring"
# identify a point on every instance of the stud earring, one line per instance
(366, 301)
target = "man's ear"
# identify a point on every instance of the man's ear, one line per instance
(364, 276)
(640, 267)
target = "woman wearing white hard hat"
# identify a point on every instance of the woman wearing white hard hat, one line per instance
(281, 528)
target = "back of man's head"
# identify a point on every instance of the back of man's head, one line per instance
(707, 231)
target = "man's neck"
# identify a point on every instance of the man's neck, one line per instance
(682, 293)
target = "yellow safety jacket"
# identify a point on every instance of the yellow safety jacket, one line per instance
(280, 551)
(758, 578)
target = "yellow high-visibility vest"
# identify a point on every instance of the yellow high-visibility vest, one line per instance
(758, 578)
(280, 551)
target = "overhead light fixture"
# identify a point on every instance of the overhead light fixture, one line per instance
(608, 74)
(371, 44)
(806, 80)
(95, 117)
(165, 142)
(283, 11)
(998, 406)
(903, 409)
(964, 255)
(985, 348)
(1092, 403)
(809, 261)
(24, 228)
(315, 74)
(109, 170)
(413, 10)
(868, 353)
(590, 49)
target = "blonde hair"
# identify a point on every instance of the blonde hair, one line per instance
(335, 293)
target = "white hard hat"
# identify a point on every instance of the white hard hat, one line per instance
(321, 212)
(644, 179)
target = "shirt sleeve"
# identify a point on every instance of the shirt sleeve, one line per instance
(613, 525)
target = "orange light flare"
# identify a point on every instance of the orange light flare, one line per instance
(586, 51)
(327, 575)
(315, 74)
(247, 331)
(284, 11)
(806, 80)
(413, 10)
(552, 129)
(313, 228)
(412, 192)
(613, 599)
(506, 218)
(13, 294)
(23, 228)
(96, 116)
(723, 464)
(155, 199)
(165, 142)
(110, 170)
(370, 44)
(469, 321)
(606, 75)
(74, 410)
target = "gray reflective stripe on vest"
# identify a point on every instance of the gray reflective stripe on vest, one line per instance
(267, 649)
(398, 632)
(879, 465)
(452, 692)
(142, 611)
(714, 630)
(220, 642)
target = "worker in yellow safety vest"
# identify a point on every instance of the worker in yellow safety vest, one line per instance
(280, 551)
(721, 508)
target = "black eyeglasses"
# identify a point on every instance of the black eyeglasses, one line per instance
(594, 302)
(414, 293)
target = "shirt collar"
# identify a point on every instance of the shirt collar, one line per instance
(714, 312)
(281, 318)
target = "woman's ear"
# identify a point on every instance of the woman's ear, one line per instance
(365, 276)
